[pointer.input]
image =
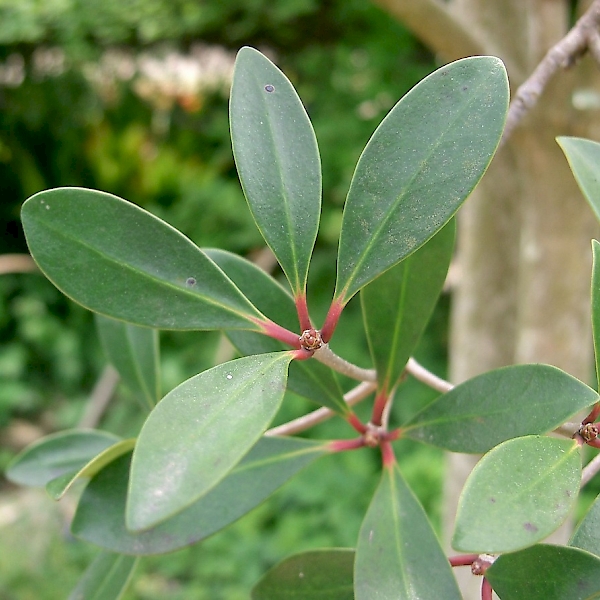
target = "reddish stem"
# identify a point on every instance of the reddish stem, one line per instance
(356, 423)
(593, 414)
(486, 590)
(381, 399)
(387, 454)
(302, 354)
(343, 445)
(331, 320)
(279, 333)
(594, 443)
(394, 435)
(302, 310)
(463, 560)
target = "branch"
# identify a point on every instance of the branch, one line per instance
(590, 470)
(17, 263)
(325, 355)
(100, 397)
(419, 372)
(354, 396)
(582, 37)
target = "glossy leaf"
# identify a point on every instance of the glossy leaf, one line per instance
(495, 406)
(419, 166)
(277, 159)
(134, 352)
(398, 551)
(316, 575)
(545, 572)
(58, 487)
(106, 578)
(584, 159)
(116, 259)
(518, 494)
(58, 454)
(199, 432)
(587, 534)
(398, 305)
(596, 305)
(307, 378)
(100, 516)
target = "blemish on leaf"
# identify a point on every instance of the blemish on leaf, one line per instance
(269, 88)
(229, 376)
(493, 500)
(530, 527)
(301, 575)
(190, 281)
(465, 88)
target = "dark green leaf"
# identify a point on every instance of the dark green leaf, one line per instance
(420, 165)
(316, 575)
(518, 494)
(587, 534)
(133, 351)
(58, 454)
(199, 432)
(100, 516)
(120, 261)
(545, 572)
(596, 305)
(398, 305)
(584, 160)
(398, 551)
(277, 159)
(509, 402)
(106, 578)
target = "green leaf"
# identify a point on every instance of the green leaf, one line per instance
(134, 352)
(100, 516)
(545, 572)
(517, 494)
(199, 432)
(397, 549)
(58, 487)
(277, 159)
(120, 261)
(308, 378)
(398, 305)
(106, 578)
(587, 534)
(58, 454)
(584, 160)
(596, 305)
(495, 406)
(420, 165)
(316, 575)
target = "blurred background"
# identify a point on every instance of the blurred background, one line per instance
(130, 97)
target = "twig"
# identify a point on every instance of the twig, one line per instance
(17, 263)
(419, 372)
(355, 395)
(329, 358)
(582, 37)
(100, 397)
(590, 470)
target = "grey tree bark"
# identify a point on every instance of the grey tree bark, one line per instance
(523, 251)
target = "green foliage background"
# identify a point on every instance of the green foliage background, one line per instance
(350, 63)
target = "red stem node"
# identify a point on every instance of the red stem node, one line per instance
(356, 423)
(302, 354)
(343, 445)
(302, 310)
(331, 320)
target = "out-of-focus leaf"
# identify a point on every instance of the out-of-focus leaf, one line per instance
(398, 551)
(116, 259)
(199, 432)
(277, 159)
(518, 494)
(398, 305)
(420, 165)
(58, 454)
(586, 535)
(133, 351)
(495, 406)
(106, 578)
(545, 572)
(596, 305)
(100, 516)
(316, 575)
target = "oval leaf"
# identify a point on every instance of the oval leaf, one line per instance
(596, 305)
(277, 159)
(398, 305)
(586, 536)
(495, 406)
(106, 578)
(133, 351)
(584, 160)
(316, 575)
(120, 261)
(398, 550)
(199, 432)
(545, 572)
(58, 454)
(420, 165)
(100, 516)
(518, 494)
